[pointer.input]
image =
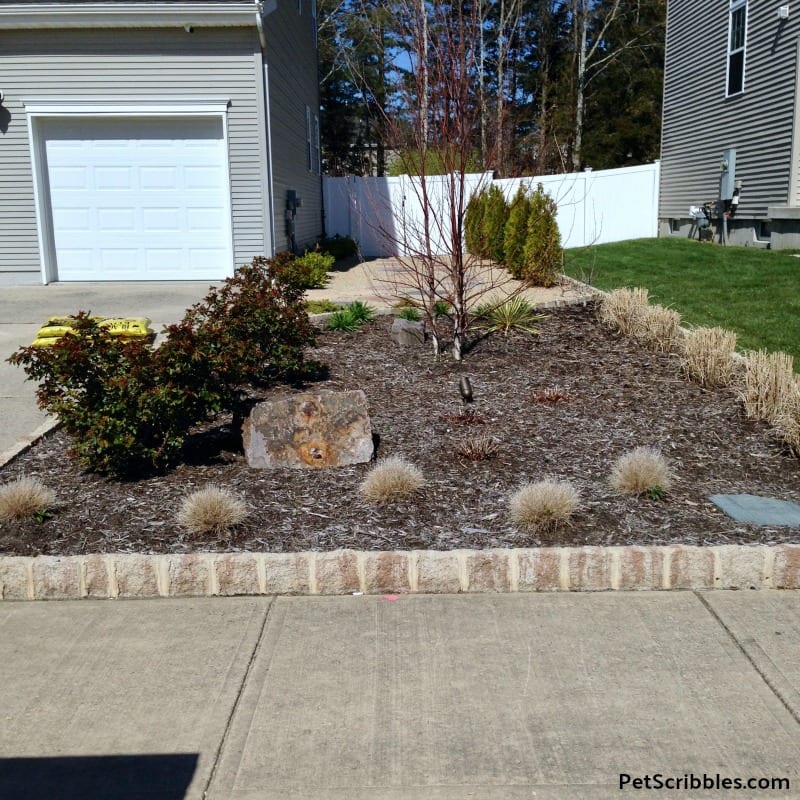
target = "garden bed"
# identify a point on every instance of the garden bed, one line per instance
(565, 403)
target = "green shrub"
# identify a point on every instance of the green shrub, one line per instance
(316, 266)
(253, 328)
(473, 225)
(442, 308)
(516, 232)
(340, 247)
(351, 317)
(124, 414)
(411, 313)
(484, 224)
(129, 408)
(320, 306)
(542, 252)
(361, 311)
(495, 217)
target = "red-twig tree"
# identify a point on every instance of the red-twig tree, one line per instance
(436, 136)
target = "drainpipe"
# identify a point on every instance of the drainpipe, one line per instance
(261, 10)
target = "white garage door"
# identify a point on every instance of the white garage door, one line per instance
(143, 199)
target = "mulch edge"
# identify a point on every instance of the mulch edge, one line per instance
(344, 572)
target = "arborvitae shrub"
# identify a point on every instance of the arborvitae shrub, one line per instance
(473, 225)
(542, 251)
(516, 232)
(495, 216)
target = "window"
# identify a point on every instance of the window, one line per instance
(737, 38)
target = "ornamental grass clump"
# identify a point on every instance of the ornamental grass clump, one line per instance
(624, 310)
(391, 479)
(211, 510)
(708, 356)
(770, 385)
(478, 448)
(660, 329)
(542, 506)
(642, 471)
(25, 497)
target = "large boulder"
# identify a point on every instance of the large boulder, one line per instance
(408, 333)
(321, 429)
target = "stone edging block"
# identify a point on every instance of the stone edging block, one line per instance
(340, 572)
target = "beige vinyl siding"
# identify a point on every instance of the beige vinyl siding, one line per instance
(130, 66)
(293, 85)
(700, 122)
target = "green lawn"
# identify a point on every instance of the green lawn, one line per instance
(753, 292)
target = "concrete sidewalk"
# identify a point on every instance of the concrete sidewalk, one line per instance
(497, 697)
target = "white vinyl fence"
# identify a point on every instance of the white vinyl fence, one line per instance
(384, 215)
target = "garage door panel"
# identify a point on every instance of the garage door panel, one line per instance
(154, 205)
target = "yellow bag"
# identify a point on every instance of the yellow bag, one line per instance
(53, 331)
(46, 342)
(128, 327)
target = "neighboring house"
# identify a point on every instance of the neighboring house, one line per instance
(155, 140)
(731, 84)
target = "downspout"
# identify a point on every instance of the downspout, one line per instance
(260, 11)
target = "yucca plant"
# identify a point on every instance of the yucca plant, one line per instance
(361, 311)
(515, 314)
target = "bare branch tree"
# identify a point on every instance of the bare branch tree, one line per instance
(436, 141)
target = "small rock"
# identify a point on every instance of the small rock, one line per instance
(324, 429)
(408, 333)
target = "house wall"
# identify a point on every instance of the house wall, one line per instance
(293, 85)
(127, 65)
(700, 122)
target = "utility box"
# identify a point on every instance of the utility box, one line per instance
(727, 181)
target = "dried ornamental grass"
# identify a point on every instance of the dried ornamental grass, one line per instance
(770, 386)
(708, 356)
(211, 510)
(787, 426)
(643, 470)
(543, 505)
(391, 479)
(478, 448)
(660, 329)
(624, 310)
(25, 497)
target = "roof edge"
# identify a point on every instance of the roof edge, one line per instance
(26, 16)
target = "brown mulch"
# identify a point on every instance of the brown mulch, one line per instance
(564, 404)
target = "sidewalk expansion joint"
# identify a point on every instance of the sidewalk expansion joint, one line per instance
(794, 711)
(239, 693)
